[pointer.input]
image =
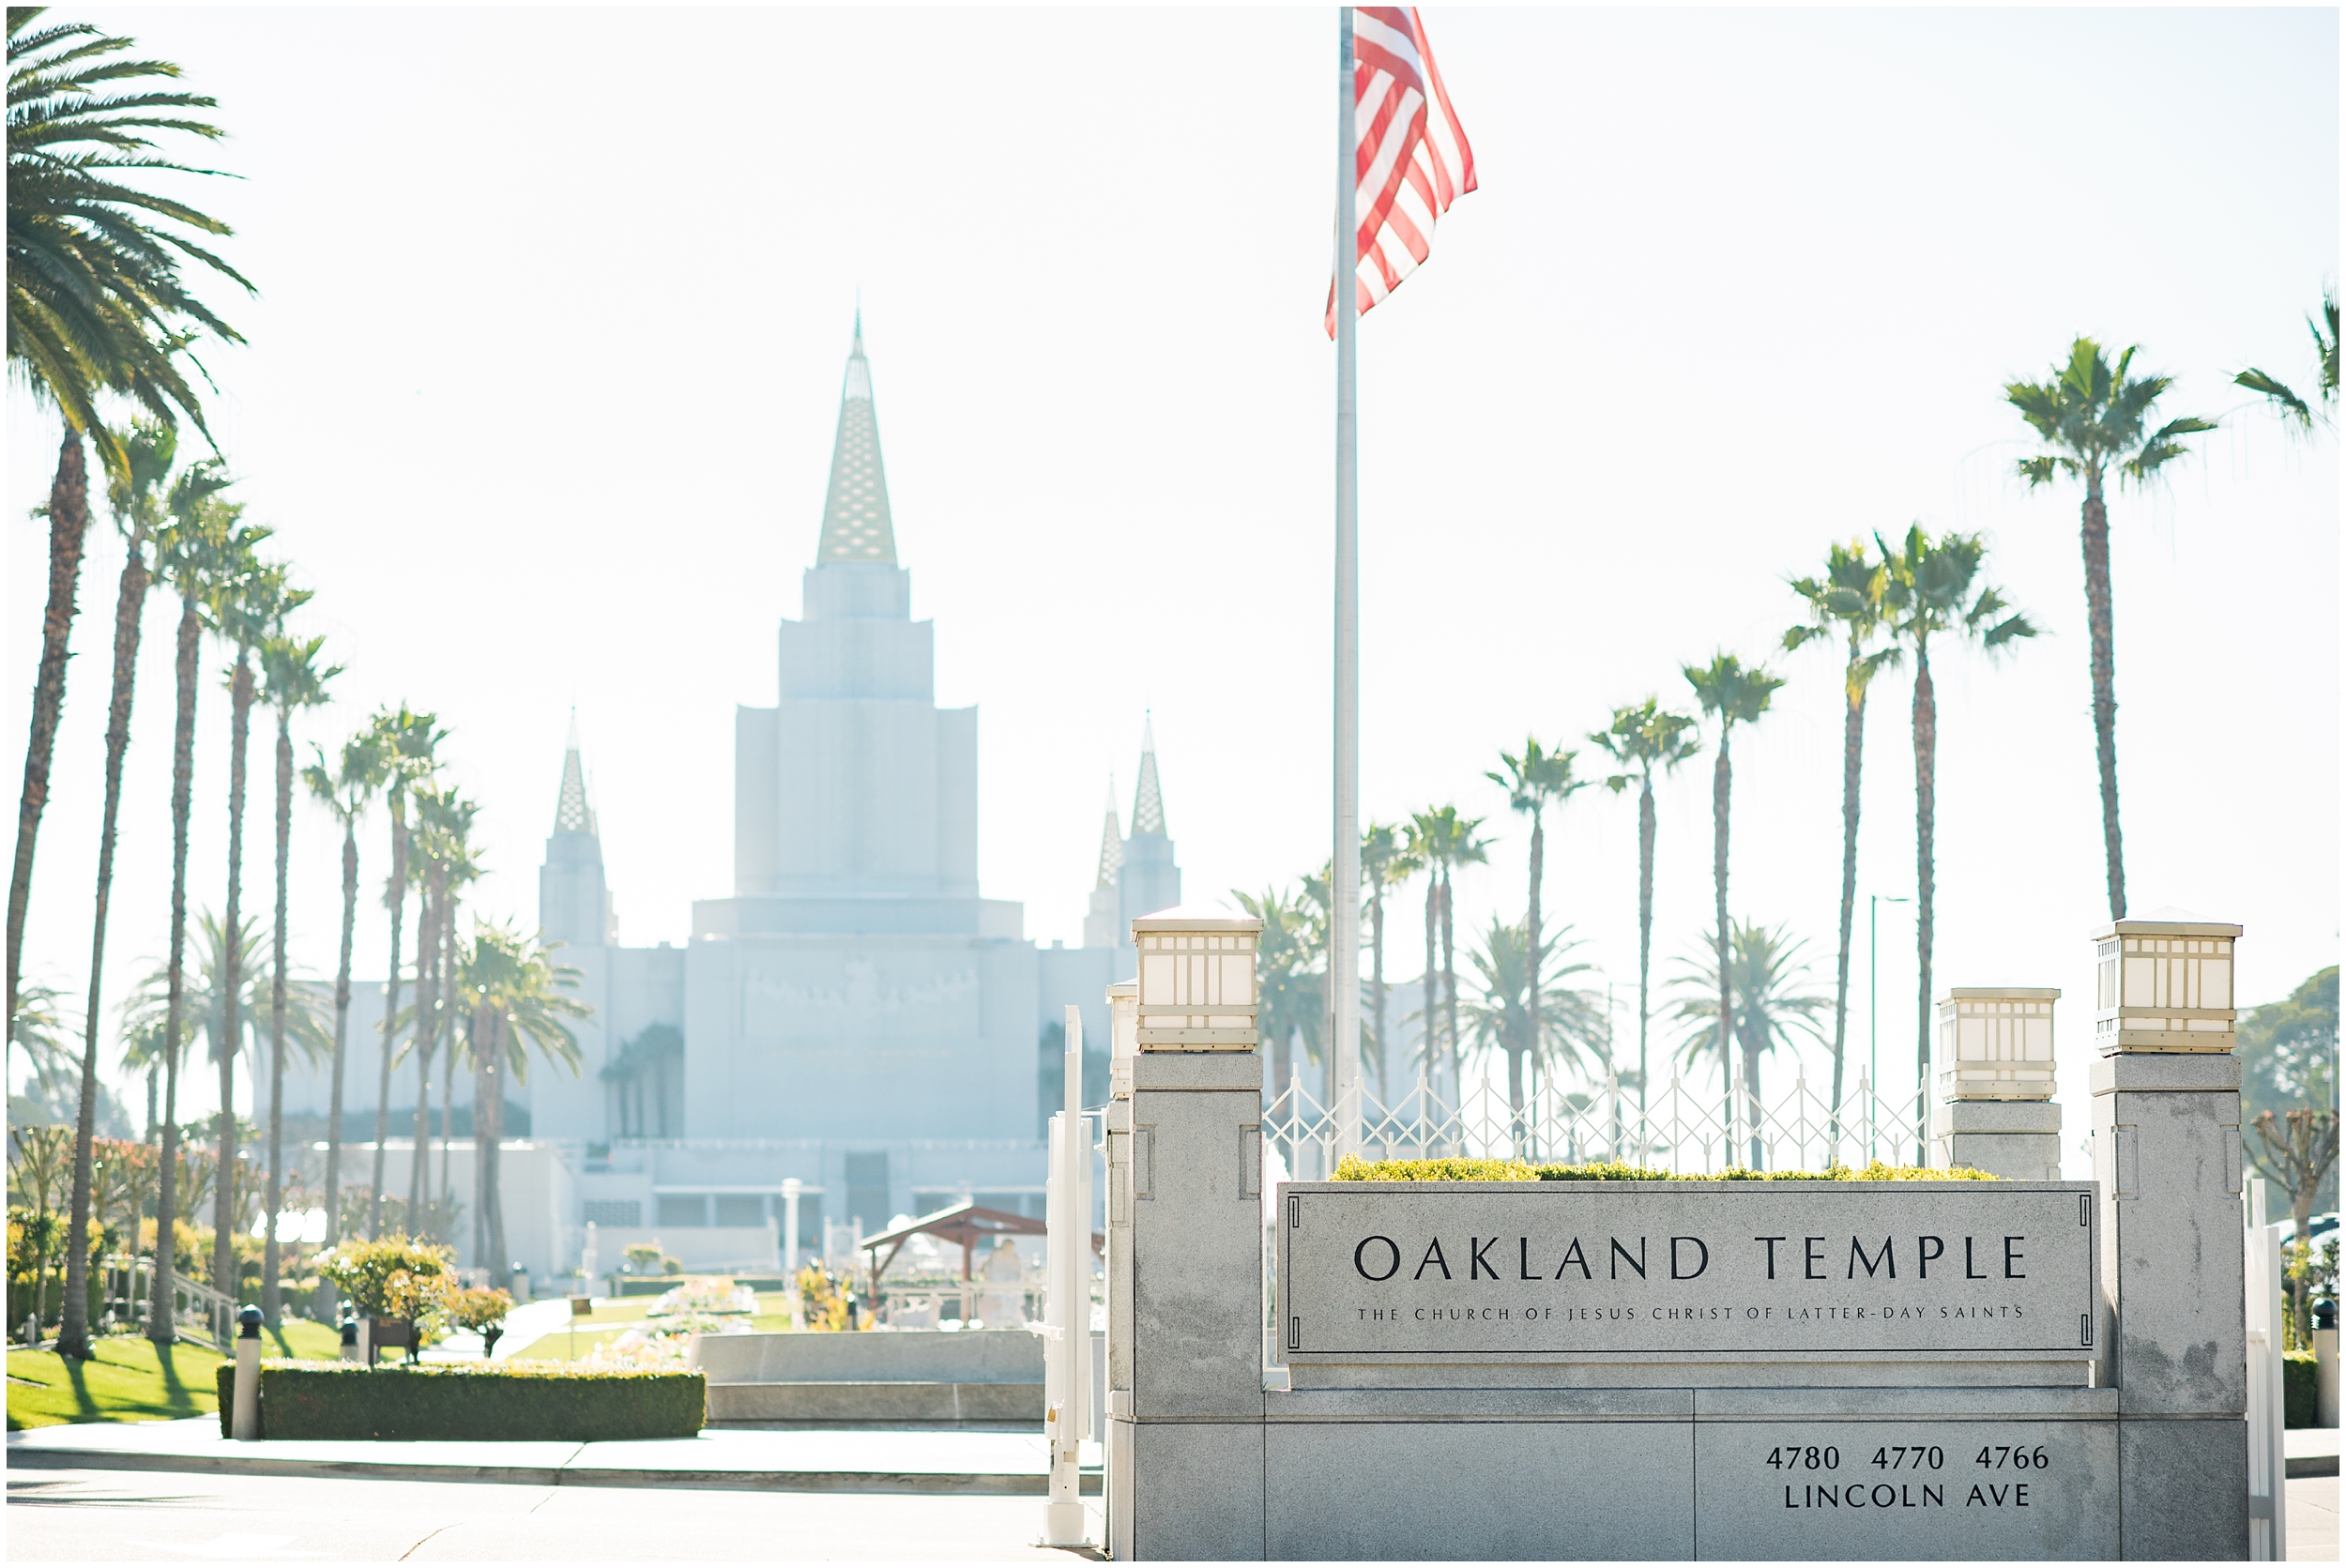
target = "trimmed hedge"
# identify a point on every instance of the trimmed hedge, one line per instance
(2298, 1393)
(474, 1402)
(1353, 1168)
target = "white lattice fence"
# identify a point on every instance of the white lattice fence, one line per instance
(1680, 1127)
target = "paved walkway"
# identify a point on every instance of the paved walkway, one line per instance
(801, 1460)
(82, 1515)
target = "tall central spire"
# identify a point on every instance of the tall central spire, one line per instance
(1148, 800)
(857, 527)
(571, 813)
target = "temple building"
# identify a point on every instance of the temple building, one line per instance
(856, 1013)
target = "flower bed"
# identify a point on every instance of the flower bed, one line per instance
(471, 1402)
(1353, 1168)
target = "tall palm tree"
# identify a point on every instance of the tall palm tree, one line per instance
(1419, 854)
(1732, 695)
(1934, 589)
(295, 678)
(194, 554)
(1532, 782)
(1506, 1016)
(142, 505)
(42, 1029)
(2091, 417)
(1644, 738)
(1847, 599)
(460, 869)
(1382, 863)
(362, 768)
(2285, 402)
(1452, 843)
(248, 613)
(519, 996)
(409, 740)
(1769, 1009)
(96, 302)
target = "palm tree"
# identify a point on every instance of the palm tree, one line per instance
(193, 552)
(295, 680)
(1732, 695)
(95, 301)
(140, 507)
(460, 868)
(2091, 417)
(2295, 409)
(1642, 739)
(1382, 866)
(363, 768)
(1932, 590)
(1418, 855)
(40, 1029)
(1290, 990)
(443, 823)
(247, 613)
(1847, 598)
(519, 997)
(1446, 841)
(1768, 1009)
(408, 740)
(1506, 1016)
(1533, 781)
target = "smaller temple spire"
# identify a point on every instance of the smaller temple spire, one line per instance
(1111, 843)
(1149, 801)
(571, 813)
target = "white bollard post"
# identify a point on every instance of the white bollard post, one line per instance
(1067, 1316)
(791, 1187)
(244, 1421)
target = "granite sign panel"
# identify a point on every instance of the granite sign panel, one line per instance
(1562, 1269)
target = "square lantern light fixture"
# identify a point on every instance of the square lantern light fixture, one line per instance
(1996, 1042)
(2164, 987)
(1196, 981)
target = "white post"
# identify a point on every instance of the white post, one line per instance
(1344, 895)
(2268, 1491)
(1067, 1319)
(245, 1414)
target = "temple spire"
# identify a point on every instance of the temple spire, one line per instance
(1111, 843)
(571, 813)
(857, 526)
(1149, 801)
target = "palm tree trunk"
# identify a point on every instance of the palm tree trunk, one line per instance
(232, 985)
(1751, 1104)
(395, 896)
(1645, 927)
(73, 1334)
(2102, 639)
(1925, 808)
(1532, 1002)
(269, 1255)
(158, 1319)
(1429, 1004)
(1377, 993)
(422, 1035)
(1852, 766)
(447, 1046)
(341, 1040)
(69, 528)
(1449, 987)
(1722, 786)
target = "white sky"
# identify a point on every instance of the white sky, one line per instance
(542, 376)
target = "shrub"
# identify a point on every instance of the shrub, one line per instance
(643, 1256)
(823, 1298)
(1353, 1168)
(2297, 1389)
(671, 1264)
(470, 1401)
(477, 1310)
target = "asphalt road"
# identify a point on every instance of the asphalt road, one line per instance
(62, 1515)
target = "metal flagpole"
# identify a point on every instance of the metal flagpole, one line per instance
(1344, 897)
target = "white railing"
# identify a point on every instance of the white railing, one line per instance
(197, 1310)
(1682, 1126)
(919, 1305)
(2268, 1464)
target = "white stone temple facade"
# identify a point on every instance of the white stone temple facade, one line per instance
(855, 1014)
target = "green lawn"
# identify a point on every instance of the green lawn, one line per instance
(127, 1383)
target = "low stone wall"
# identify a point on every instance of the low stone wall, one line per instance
(876, 1356)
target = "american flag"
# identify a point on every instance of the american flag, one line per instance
(1414, 159)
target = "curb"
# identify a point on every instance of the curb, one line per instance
(27, 1457)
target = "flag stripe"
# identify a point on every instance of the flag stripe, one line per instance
(1411, 159)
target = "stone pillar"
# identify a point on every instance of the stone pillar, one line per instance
(1996, 1082)
(2167, 1154)
(1185, 1434)
(2016, 1139)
